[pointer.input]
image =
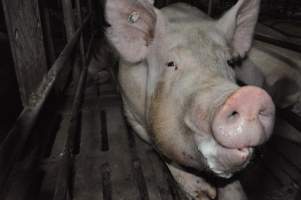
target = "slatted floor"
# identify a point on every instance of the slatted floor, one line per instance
(111, 163)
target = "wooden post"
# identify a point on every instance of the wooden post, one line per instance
(26, 41)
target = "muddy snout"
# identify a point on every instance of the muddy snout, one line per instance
(245, 120)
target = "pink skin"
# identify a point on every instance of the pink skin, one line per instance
(245, 120)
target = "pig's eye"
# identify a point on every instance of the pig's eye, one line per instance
(235, 62)
(170, 64)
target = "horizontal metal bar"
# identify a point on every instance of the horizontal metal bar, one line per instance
(286, 34)
(280, 43)
(63, 189)
(13, 144)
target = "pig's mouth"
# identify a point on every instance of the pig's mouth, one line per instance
(244, 121)
(223, 161)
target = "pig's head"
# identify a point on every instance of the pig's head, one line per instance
(198, 116)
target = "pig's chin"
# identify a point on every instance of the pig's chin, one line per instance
(222, 161)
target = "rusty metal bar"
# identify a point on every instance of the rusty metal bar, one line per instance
(13, 144)
(64, 184)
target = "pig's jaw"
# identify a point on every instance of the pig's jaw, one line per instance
(222, 161)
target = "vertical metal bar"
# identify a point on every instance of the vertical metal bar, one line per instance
(48, 33)
(64, 185)
(90, 10)
(70, 27)
(68, 18)
(210, 8)
(79, 16)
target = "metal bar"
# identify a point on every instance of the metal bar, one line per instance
(48, 33)
(284, 44)
(13, 144)
(90, 10)
(210, 8)
(24, 176)
(273, 26)
(79, 19)
(63, 189)
(68, 18)
(70, 29)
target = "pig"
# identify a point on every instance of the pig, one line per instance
(180, 95)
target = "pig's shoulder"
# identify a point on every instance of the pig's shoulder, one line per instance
(182, 11)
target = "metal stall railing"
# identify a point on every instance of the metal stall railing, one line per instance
(12, 146)
(63, 188)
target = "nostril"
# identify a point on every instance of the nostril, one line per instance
(233, 115)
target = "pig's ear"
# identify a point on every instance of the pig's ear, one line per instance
(238, 25)
(131, 27)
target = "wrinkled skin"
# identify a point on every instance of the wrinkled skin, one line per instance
(179, 93)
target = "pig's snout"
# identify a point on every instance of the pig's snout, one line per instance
(246, 119)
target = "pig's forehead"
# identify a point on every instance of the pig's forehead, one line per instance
(200, 46)
(202, 34)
